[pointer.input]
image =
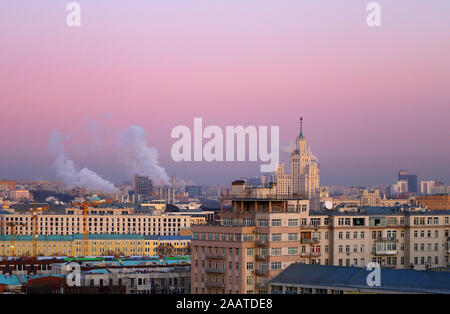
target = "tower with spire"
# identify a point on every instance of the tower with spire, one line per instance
(304, 177)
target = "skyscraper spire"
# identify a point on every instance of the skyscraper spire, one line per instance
(301, 128)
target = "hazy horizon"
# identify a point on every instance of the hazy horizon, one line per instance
(374, 100)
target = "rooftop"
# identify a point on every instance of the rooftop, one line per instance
(395, 280)
(96, 237)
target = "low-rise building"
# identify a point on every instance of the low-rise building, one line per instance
(319, 279)
(97, 245)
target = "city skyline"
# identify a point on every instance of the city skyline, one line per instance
(374, 100)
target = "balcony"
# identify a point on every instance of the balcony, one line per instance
(262, 272)
(384, 252)
(310, 240)
(261, 257)
(314, 226)
(261, 243)
(386, 239)
(215, 270)
(214, 256)
(310, 254)
(215, 284)
(261, 285)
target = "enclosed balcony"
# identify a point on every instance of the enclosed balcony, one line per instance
(215, 270)
(215, 284)
(310, 240)
(261, 257)
(260, 271)
(214, 256)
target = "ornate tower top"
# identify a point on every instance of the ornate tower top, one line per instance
(301, 128)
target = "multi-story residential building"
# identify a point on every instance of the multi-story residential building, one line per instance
(143, 186)
(304, 178)
(427, 187)
(263, 234)
(99, 221)
(97, 245)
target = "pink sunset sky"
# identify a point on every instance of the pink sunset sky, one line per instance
(374, 99)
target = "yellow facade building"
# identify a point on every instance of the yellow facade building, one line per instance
(97, 245)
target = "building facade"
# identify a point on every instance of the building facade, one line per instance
(99, 221)
(97, 245)
(261, 236)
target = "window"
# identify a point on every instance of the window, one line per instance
(276, 222)
(293, 237)
(276, 265)
(250, 251)
(293, 222)
(275, 251)
(249, 265)
(293, 250)
(276, 237)
(358, 221)
(263, 222)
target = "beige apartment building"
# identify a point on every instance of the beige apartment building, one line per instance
(100, 221)
(262, 235)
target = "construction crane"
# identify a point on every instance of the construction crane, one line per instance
(84, 206)
(13, 226)
(34, 211)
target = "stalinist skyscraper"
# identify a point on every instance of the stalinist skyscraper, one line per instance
(304, 179)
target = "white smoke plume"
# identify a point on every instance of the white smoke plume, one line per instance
(289, 148)
(140, 158)
(65, 169)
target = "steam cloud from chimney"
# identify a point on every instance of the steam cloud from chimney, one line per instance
(65, 169)
(140, 158)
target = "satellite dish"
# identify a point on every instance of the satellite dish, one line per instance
(328, 205)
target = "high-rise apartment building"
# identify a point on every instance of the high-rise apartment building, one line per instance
(427, 187)
(410, 178)
(143, 186)
(304, 179)
(263, 234)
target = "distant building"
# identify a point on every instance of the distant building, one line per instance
(399, 187)
(143, 186)
(441, 189)
(304, 178)
(194, 190)
(410, 178)
(427, 187)
(19, 196)
(167, 193)
(435, 202)
(7, 185)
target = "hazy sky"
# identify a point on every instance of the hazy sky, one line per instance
(374, 100)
